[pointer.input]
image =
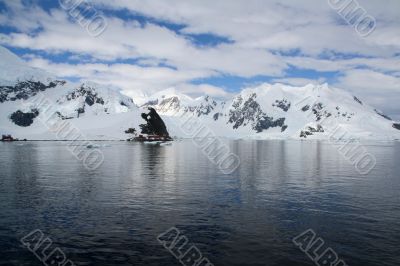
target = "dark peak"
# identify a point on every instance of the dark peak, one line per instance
(155, 125)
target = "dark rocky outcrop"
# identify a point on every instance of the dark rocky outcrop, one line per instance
(396, 126)
(305, 108)
(23, 90)
(383, 115)
(155, 125)
(217, 115)
(244, 112)
(318, 111)
(250, 111)
(357, 100)
(341, 114)
(131, 131)
(311, 131)
(283, 104)
(90, 95)
(80, 111)
(62, 117)
(24, 119)
(268, 122)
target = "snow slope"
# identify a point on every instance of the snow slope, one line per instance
(12, 69)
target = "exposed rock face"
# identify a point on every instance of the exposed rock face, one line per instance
(244, 112)
(319, 112)
(396, 126)
(89, 94)
(217, 115)
(151, 102)
(24, 119)
(171, 104)
(250, 112)
(283, 104)
(311, 131)
(155, 125)
(204, 108)
(62, 117)
(165, 104)
(268, 122)
(25, 89)
(383, 115)
(357, 100)
(305, 108)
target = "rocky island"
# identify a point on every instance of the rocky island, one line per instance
(154, 129)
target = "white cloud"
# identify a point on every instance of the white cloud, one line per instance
(308, 25)
(132, 77)
(125, 76)
(371, 81)
(128, 39)
(383, 64)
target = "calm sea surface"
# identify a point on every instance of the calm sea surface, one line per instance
(113, 215)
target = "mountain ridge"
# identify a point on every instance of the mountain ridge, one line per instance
(266, 111)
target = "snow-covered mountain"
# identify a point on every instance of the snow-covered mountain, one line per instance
(262, 112)
(13, 69)
(99, 112)
(278, 111)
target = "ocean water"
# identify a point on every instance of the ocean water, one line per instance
(114, 214)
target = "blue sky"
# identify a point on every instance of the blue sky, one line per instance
(210, 47)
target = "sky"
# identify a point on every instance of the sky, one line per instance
(209, 47)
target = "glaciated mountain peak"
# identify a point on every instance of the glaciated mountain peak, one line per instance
(98, 110)
(171, 93)
(282, 111)
(263, 111)
(168, 101)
